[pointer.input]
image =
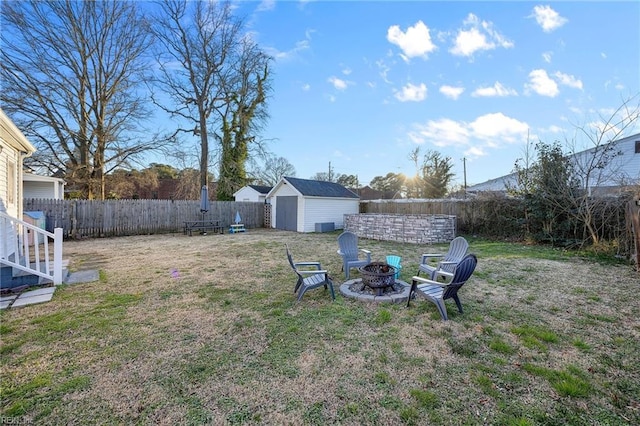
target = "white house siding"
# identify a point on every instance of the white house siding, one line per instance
(35, 186)
(497, 184)
(319, 210)
(38, 190)
(623, 169)
(14, 146)
(10, 169)
(8, 155)
(248, 194)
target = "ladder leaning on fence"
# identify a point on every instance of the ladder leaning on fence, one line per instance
(30, 249)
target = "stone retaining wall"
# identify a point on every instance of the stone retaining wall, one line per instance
(417, 228)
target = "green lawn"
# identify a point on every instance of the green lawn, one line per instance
(205, 329)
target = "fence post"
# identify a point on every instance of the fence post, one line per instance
(57, 256)
(74, 219)
(633, 211)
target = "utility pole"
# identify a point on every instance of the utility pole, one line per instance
(464, 172)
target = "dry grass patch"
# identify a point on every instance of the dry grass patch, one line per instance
(205, 329)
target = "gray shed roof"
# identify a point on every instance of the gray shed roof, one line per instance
(318, 188)
(261, 188)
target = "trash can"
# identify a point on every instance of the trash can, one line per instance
(325, 227)
(36, 219)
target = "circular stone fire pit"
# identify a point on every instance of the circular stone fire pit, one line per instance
(378, 276)
(385, 287)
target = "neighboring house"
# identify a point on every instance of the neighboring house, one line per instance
(300, 204)
(367, 193)
(257, 193)
(35, 186)
(621, 170)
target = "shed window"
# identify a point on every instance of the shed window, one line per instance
(637, 147)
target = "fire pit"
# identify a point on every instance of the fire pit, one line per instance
(378, 276)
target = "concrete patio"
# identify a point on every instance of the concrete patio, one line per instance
(45, 294)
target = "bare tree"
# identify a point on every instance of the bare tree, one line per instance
(433, 175)
(246, 87)
(559, 187)
(274, 169)
(188, 188)
(216, 80)
(436, 174)
(523, 185)
(71, 73)
(392, 184)
(123, 184)
(597, 166)
(348, 181)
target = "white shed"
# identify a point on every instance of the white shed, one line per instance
(300, 204)
(43, 187)
(257, 193)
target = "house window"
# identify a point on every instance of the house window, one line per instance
(637, 147)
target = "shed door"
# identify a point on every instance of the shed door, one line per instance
(287, 213)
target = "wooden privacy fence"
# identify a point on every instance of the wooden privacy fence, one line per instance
(96, 218)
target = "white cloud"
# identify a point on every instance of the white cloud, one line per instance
(468, 42)
(451, 92)
(478, 35)
(542, 84)
(415, 42)
(338, 83)
(497, 128)
(306, 87)
(496, 90)
(280, 55)
(413, 93)
(443, 132)
(548, 18)
(546, 56)
(266, 5)
(568, 80)
(475, 152)
(489, 131)
(384, 70)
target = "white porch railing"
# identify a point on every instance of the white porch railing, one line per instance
(29, 248)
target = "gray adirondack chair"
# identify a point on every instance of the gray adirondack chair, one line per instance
(310, 275)
(437, 292)
(434, 264)
(348, 249)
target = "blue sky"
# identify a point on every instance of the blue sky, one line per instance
(361, 84)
